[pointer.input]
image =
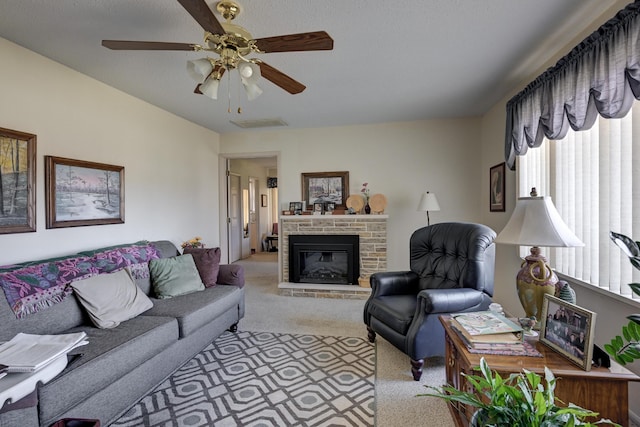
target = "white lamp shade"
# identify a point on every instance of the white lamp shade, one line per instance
(536, 222)
(210, 88)
(428, 202)
(199, 69)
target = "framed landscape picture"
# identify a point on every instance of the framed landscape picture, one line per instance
(82, 193)
(17, 182)
(323, 187)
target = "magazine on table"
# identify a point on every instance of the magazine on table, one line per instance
(30, 352)
(511, 342)
(488, 339)
(487, 326)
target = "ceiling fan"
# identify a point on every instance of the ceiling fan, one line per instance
(232, 43)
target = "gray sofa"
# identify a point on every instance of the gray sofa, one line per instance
(121, 365)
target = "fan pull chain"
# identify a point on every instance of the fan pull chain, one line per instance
(229, 91)
(239, 97)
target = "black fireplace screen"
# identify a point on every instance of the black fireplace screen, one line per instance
(324, 259)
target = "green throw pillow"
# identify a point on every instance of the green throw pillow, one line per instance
(174, 276)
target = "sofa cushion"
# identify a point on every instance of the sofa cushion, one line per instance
(174, 276)
(110, 354)
(207, 262)
(111, 298)
(197, 309)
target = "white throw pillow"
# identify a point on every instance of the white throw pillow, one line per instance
(111, 298)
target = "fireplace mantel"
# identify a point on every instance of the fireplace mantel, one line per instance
(372, 230)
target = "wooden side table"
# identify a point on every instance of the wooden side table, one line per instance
(602, 390)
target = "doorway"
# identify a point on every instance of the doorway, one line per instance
(251, 205)
(235, 232)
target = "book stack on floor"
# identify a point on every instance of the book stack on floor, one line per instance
(489, 332)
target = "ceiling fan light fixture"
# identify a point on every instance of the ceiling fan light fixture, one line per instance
(199, 69)
(210, 87)
(253, 90)
(250, 75)
(249, 72)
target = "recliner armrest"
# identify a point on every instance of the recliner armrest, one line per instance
(394, 283)
(449, 300)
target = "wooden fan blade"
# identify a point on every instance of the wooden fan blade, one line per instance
(199, 10)
(280, 79)
(136, 45)
(318, 40)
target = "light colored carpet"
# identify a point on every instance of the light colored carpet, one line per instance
(396, 401)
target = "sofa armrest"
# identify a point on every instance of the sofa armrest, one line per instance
(394, 283)
(449, 300)
(231, 274)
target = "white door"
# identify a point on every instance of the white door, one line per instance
(235, 218)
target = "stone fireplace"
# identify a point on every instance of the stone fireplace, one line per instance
(371, 231)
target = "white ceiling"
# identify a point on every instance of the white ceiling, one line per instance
(392, 61)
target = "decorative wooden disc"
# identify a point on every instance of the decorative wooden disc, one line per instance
(378, 203)
(356, 202)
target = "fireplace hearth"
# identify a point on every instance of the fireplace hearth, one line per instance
(324, 259)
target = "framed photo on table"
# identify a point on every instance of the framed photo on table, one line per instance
(323, 187)
(496, 188)
(79, 193)
(568, 329)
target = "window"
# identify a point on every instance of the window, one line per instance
(593, 178)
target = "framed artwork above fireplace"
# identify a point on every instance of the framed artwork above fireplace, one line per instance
(323, 187)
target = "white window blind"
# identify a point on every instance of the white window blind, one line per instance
(593, 178)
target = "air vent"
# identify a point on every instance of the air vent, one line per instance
(259, 123)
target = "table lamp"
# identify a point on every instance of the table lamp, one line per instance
(428, 202)
(536, 222)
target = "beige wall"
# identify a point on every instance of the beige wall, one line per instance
(399, 160)
(171, 165)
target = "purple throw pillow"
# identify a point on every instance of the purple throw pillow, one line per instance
(207, 262)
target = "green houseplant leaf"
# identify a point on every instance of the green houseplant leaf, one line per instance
(522, 400)
(626, 348)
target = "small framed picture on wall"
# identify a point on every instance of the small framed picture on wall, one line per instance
(496, 188)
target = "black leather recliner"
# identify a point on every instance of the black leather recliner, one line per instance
(452, 270)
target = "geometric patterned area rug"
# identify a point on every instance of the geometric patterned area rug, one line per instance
(266, 379)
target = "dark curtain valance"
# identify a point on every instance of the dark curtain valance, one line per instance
(600, 75)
